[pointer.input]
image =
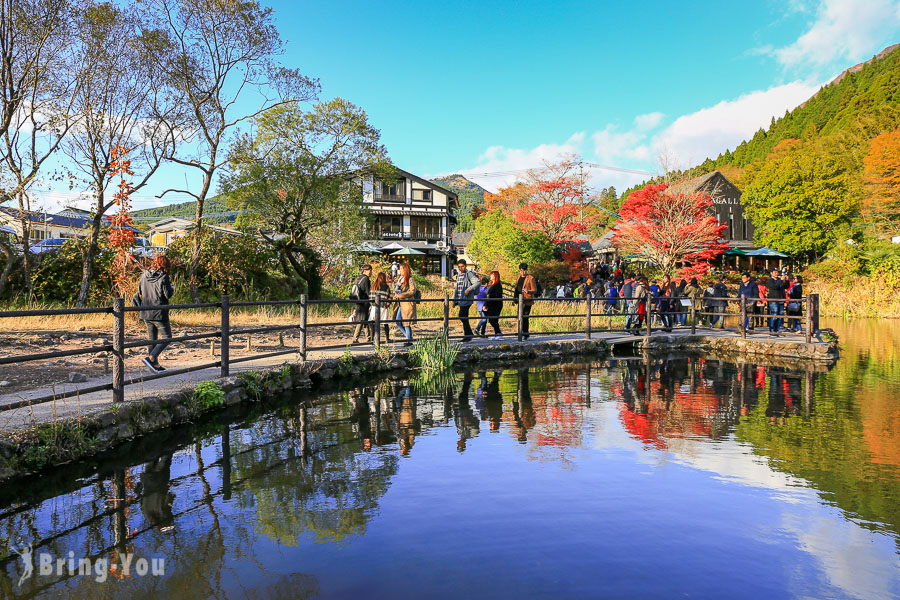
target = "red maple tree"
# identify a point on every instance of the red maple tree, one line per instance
(669, 228)
(121, 234)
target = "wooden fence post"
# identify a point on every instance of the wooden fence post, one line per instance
(303, 311)
(743, 316)
(693, 316)
(118, 344)
(521, 318)
(447, 314)
(815, 318)
(377, 336)
(587, 322)
(649, 327)
(809, 318)
(225, 344)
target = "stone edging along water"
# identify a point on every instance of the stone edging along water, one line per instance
(52, 444)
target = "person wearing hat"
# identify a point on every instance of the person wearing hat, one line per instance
(467, 285)
(528, 288)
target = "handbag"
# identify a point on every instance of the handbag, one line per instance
(793, 306)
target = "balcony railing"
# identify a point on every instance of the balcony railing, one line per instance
(391, 199)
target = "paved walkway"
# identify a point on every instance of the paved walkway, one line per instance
(97, 401)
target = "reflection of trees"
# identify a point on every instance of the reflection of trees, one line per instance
(812, 430)
(686, 398)
(331, 492)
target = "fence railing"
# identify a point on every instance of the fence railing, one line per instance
(639, 316)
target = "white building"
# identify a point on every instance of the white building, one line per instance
(411, 213)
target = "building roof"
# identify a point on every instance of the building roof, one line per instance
(461, 239)
(49, 218)
(715, 184)
(605, 241)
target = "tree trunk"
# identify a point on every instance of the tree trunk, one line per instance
(193, 279)
(26, 246)
(7, 269)
(87, 268)
(308, 270)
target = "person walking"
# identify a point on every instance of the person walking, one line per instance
(494, 304)
(405, 291)
(720, 290)
(479, 305)
(612, 295)
(466, 287)
(775, 293)
(681, 303)
(155, 289)
(693, 292)
(667, 303)
(749, 292)
(360, 292)
(382, 290)
(794, 306)
(638, 304)
(528, 288)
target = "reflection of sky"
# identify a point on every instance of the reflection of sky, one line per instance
(608, 517)
(860, 562)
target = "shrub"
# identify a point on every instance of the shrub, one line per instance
(207, 395)
(239, 265)
(57, 276)
(435, 353)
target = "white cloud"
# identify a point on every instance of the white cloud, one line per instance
(648, 121)
(710, 131)
(688, 140)
(510, 163)
(843, 29)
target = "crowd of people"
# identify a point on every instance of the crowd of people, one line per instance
(771, 300)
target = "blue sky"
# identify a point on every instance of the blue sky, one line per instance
(482, 87)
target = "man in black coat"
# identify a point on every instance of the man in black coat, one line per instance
(775, 293)
(361, 290)
(750, 291)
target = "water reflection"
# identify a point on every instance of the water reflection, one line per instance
(314, 500)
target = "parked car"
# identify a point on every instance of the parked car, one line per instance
(48, 245)
(142, 248)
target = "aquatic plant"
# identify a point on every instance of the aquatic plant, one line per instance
(435, 353)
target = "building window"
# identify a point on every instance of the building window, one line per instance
(390, 193)
(389, 227)
(421, 195)
(422, 228)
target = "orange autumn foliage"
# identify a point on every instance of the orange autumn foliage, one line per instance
(882, 171)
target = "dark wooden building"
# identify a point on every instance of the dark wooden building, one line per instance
(726, 199)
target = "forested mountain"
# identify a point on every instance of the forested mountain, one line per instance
(825, 176)
(471, 197)
(215, 211)
(864, 100)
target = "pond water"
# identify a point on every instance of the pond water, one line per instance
(623, 478)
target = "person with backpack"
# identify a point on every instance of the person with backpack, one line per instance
(155, 289)
(638, 305)
(406, 291)
(467, 284)
(528, 288)
(360, 292)
(480, 306)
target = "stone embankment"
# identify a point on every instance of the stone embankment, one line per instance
(822, 349)
(25, 451)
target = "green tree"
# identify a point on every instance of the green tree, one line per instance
(219, 59)
(798, 201)
(292, 177)
(498, 243)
